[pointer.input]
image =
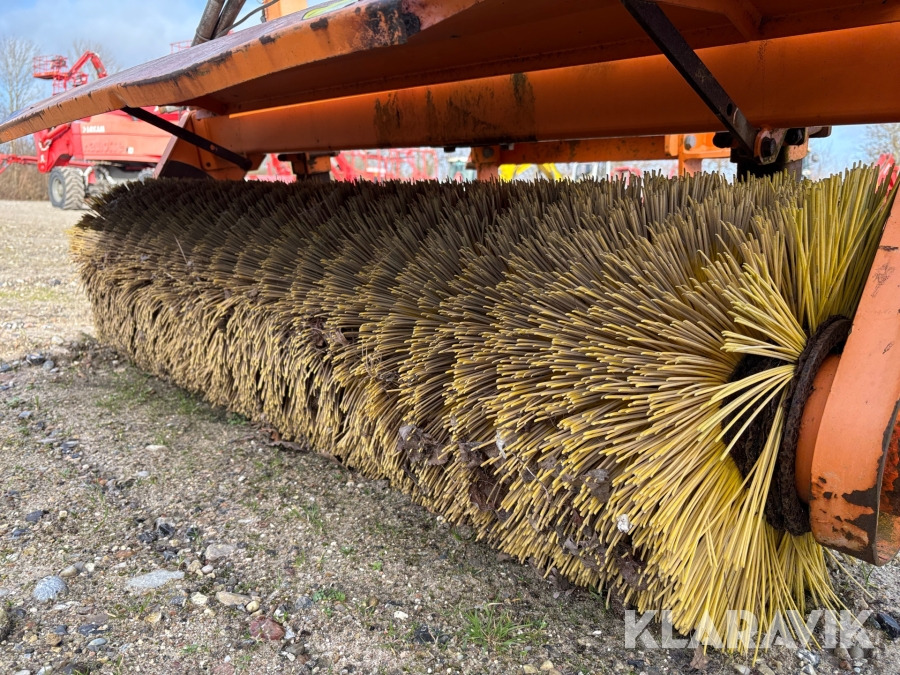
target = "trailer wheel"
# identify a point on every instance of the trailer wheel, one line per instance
(67, 188)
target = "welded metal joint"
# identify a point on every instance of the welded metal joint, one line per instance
(763, 145)
(190, 137)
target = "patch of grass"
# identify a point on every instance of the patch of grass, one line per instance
(101, 507)
(235, 420)
(596, 594)
(496, 630)
(329, 595)
(294, 513)
(386, 528)
(276, 465)
(461, 535)
(34, 294)
(242, 661)
(347, 551)
(377, 565)
(314, 517)
(396, 633)
(129, 389)
(137, 606)
(867, 573)
(188, 404)
(253, 504)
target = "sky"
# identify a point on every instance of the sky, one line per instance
(135, 31)
(132, 31)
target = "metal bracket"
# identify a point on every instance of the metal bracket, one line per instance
(190, 137)
(763, 145)
(309, 166)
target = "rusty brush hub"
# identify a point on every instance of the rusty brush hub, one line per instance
(551, 363)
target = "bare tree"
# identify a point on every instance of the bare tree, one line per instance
(883, 138)
(820, 162)
(18, 87)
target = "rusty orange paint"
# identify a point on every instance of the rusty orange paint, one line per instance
(638, 97)
(888, 534)
(854, 496)
(243, 58)
(391, 45)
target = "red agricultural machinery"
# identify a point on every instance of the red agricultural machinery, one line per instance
(90, 155)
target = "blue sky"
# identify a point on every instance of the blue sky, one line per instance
(135, 31)
(131, 31)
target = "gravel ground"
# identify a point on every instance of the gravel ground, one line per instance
(265, 558)
(39, 296)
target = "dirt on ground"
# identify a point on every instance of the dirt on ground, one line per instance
(40, 300)
(262, 558)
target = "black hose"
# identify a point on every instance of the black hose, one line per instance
(228, 16)
(255, 11)
(208, 22)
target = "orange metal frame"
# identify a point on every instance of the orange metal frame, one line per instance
(785, 49)
(689, 150)
(637, 97)
(847, 459)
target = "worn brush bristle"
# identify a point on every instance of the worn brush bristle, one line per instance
(551, 363)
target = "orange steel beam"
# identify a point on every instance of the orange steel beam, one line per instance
(790, 82)
(849, 447)
(380, 45)
(191, 75)
(588, 150)
(602, 149)
(181, 156)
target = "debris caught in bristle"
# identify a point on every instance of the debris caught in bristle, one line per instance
(553, 364)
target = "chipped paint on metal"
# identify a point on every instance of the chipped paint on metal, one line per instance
(855, 497)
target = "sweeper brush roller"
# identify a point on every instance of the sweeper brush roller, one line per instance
(596, 376)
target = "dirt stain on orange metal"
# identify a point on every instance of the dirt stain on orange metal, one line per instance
(854, 496)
